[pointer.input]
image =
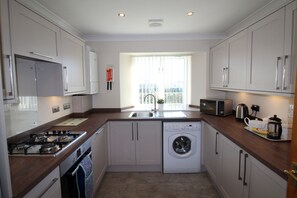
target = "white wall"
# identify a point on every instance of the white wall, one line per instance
(18, 121)
(109, 54)
(269, 105)
(125, 80)
(200, 79)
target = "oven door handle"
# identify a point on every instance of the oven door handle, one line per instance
(75, 170)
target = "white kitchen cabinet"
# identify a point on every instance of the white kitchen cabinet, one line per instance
(135, 143)
(237, 61)
(8, 67)
(237, 173)
(232, 169)
(91, 72)
(148, 142)
(49, 187)
(270, 67)
(263, 182)
(212, 151)
(228, 63)
(99, 155)
(244, 176)
(73, 61)
(32, 35)
(219, 65)
(121, 143)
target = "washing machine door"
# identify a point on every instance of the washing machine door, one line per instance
(182, 146)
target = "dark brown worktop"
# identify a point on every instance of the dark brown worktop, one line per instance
(26, 172)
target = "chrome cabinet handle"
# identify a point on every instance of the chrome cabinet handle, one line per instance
(132, 133)
(42, 55)
(244, 170)
(216, 144)
(284, 87)
(66, 78)
(11, 91)
(49, 186)
(223, 76)
(276, 73)
(239, 165)
(137, 131)
(226, 76)
(99, 131)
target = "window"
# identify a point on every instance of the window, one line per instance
(163, 76)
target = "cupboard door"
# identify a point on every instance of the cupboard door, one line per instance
(212, 152)
(148, 143)
(32, 35)
(266, 51)
(121, 144)
(218, 66)
(289, 68)
(8, 66)
(237, 58)
(232, 169)
(263, 182)
(49, 187)
(73, 64)
(99, 155)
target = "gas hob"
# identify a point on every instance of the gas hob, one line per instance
(50, 143)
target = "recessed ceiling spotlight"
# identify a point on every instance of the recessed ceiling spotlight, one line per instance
(121, 14)
(190, 13)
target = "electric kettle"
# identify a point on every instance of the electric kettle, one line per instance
(242, 111)
(274, 127)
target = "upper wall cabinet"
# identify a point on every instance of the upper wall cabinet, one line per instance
(259, 58)
(219, 64)
(8, 69)
(32, 35)
(270, 68)
(237, 60)
(228, 63)
(73, 62)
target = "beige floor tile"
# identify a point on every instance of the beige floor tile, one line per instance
(156, 185)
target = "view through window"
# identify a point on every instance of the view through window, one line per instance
(163, 76)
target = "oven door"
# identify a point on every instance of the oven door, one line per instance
(78, 180)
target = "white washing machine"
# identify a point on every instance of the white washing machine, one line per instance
(181, 147)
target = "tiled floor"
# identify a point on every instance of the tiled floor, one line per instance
(156, 185)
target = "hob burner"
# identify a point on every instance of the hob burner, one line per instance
(50, 143)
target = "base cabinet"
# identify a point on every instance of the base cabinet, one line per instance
(262, 182)
(236, 172)
(49, 187)
(135, 143)
(99, 155)
(212, 150)
(232, 168)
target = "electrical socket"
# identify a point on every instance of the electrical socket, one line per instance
(66, 106)
(255, 107)
(55, 109)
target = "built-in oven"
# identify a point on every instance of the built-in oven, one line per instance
(77, 173)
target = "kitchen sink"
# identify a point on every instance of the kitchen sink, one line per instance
(145, 114)
(158, 114)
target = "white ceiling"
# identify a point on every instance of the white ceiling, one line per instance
(100, 17)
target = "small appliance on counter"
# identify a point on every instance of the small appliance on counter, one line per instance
(214, 106)
(274, 128)
(242, 111)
